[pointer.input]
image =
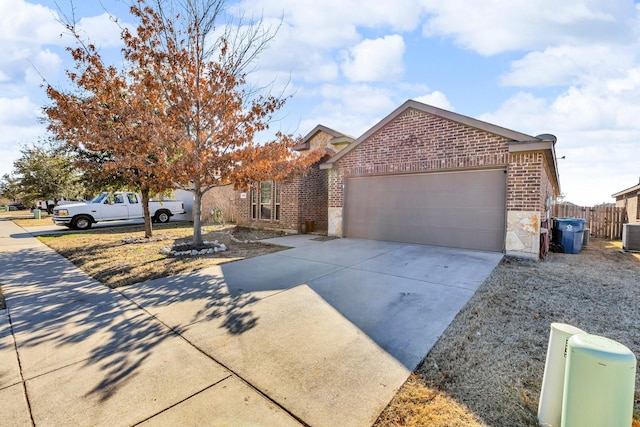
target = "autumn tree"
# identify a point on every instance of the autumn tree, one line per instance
(181, 112)
(213, 114)
(117, 119)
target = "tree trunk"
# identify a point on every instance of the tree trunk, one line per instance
(148, 231)
(197, 214)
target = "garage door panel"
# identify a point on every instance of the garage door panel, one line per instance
(461, 209)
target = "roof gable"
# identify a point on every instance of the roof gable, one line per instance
(519, 142)
(337, 137)
(448, 115)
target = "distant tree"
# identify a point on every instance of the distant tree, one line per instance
(10, 188)
(44, 171)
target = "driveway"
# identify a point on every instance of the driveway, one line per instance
(330, 329)
(322, 334)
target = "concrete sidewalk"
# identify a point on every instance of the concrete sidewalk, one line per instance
(73, 352)
(322, 334)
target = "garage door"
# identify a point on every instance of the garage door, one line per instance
(457, 209)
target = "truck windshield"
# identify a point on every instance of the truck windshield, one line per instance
(99, 198)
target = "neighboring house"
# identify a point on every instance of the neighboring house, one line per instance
(629, 199)
(421, 175)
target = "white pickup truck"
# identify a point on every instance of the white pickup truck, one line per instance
(111, 207)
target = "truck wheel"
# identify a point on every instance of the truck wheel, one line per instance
(162, 216)
(81, 222)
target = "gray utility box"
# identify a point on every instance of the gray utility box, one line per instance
(599, 383)
(631, 237)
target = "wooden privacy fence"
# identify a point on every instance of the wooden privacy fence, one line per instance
(603, 222)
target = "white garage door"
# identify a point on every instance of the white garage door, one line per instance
(457, 209)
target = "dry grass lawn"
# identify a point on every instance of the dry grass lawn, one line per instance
(486, 369)
(104, 255)
(30, 222)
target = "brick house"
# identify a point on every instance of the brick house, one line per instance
(629, 199)
(421, 175)
(289, 204)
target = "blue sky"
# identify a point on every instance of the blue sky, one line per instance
(569, 68)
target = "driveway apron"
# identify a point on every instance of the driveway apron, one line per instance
(321, 334)
(329, 329)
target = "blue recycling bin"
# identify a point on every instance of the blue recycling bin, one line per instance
(567, 232)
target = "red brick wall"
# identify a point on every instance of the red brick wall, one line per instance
(525, 182)
(288, 208)
(302, 198)
(546, 188)
(313, 198)
(222, 198)
(417, 142)
(335, 180)
(529, 182)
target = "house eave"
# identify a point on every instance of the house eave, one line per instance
(633, 189)
(327, 165)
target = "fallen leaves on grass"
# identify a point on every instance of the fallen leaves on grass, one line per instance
(120, 256)
(420, 404)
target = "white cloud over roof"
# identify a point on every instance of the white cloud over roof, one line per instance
(375, 60)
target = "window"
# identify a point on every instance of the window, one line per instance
(276, 192)
(265, 201)
(133, 199)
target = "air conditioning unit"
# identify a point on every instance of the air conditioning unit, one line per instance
(631, 237)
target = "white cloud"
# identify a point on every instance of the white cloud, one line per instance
(314, 37)
(351, 109)
(28, 24)
(496, 26)
(100, 30)
(436, 99)
(564, 65)
(17, 111)
(297, 60)
(17, 118)
(597, 129)
(333, 19)
(375, 60)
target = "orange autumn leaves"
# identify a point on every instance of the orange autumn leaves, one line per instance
(179, 112)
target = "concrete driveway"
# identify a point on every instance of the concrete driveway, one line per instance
(322, 334)
(328, 330)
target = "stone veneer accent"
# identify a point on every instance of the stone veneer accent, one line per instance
(335, 222)
(523, 234)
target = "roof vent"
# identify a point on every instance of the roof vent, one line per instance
(547, 137)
